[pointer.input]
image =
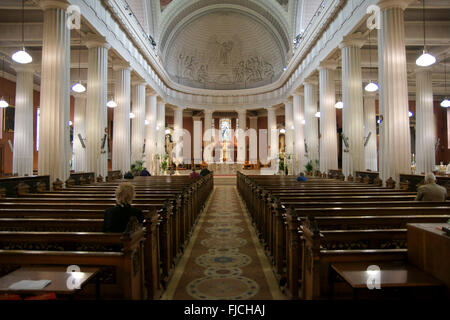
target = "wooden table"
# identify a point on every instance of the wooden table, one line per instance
(392, 275)
(429, 249)
(60, 283)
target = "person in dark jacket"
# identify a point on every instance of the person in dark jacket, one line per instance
(145, 173)
(204, 172)
(128, 175)
(302, 177)
(117, 217)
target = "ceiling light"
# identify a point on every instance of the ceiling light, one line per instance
(339, 105)
(410, 114)
(282, 130)
(167, 131)
(3, 103)
(132, 115)
(445, 103)
(22, 57)
(303, 121)
(284, 68)
(78, 87)
(371, 87)
(425, 60)
(70, 123)
(146, 122)
(317, 115)
(111, 104)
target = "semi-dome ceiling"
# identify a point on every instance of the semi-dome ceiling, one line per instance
(223, 50)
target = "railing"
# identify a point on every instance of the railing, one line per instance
(136, 20)
(315, 16)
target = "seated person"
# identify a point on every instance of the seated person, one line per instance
(145, 173)
(194, 174)
(302, 177)
(128, 175)
(431, 191)
(204, 172)
(116, 218)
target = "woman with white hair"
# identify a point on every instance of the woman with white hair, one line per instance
(116, 218)
(431, 191)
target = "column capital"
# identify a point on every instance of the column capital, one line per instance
(27, 68)
(241, 111)
(122, 66)
(178, 108)
(53, 4)
(418, 69)
(354, 40)
(271, 108)
(77, 95)
(328, 65)
(311, 82)
(138, 82)
(208, 111)
(95, 41)
(388, 4)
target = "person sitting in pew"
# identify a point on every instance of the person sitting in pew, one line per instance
(302, 177)
(194, 174)
(128, 175)
(116, 218)
(204, 172)
(145, 173)
(431, 191)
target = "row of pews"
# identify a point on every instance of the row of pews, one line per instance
(64, 227)
(307, 226)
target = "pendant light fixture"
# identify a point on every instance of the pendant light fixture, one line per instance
(371, 86)
(445, 103)
(339, 104)
(3, 103)
(78, 87)
(111, 103)
(22, 56)
(425, 59)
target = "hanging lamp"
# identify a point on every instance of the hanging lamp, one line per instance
(22, 56)
(78, 87)
(425, 59)
(372, 86)
(445, 103)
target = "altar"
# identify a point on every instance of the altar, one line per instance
(225, 168)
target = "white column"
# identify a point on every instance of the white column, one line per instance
(352, 113)
(121, 132)
(272, 132)
(138, 123)
(289, 127)
(54, 145)
(425, 125)
(207, 144)
(197, 139)
(79, 128)
(395, 139)
(299, 136)
(96, 114)
(241, 144)
(161, 128)
(311, 122)
(23, 121)
(328, 130)
(177, 153)
(253, 141)
(150, 133)
(370, 127)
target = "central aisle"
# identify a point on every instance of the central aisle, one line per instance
(224, 259)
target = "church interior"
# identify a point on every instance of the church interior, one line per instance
(225, 150)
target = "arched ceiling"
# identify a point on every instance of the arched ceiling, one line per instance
(224, 44)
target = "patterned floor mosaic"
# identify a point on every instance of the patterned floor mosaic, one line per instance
(223, 262)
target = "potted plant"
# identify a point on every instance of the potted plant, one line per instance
(164, 163)
(309, 167)
(136, 167)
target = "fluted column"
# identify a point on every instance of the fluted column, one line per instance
(138, 123)
(151, 133)
(121, 134)
(54, 144)
(207, 144)
(289, 126)
(328, 130)
(352, 113)
(253, 140)
(96, 114)
(272, 132)
(197, 139)
(299, 136)
(425, 125)
(79, 128)
(311, 122)
(161, 128)
(395, 139)
(23, 121)
(177, 155)
(370, 127)
(241, 144)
